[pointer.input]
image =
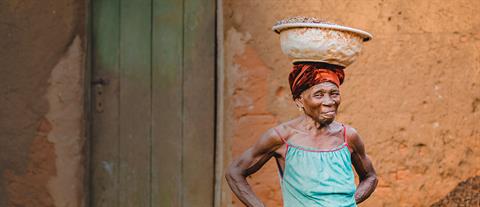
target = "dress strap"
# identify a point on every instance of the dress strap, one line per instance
(345, 135)
(283, 140)
(286, 150)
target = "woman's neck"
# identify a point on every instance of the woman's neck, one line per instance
(314, 127)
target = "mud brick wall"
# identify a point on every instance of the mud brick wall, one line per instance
(413, 95)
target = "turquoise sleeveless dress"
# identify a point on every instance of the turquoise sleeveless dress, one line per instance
(318, 178)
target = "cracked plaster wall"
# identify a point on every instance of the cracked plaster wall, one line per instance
(42, 115)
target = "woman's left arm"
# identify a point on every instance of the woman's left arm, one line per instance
(363, 167)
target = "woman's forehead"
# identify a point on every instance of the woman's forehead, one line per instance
(324, 86)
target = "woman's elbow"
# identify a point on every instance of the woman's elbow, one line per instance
(374, 180)
(228, 173)
(231, 172)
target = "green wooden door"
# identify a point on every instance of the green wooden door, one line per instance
(153, 87)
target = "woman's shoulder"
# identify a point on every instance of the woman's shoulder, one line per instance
(352, 136)
(349, 130)
(286, 129)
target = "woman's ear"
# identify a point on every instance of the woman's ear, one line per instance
(299, 102)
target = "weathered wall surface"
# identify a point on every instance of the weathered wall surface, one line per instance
(414, 94)
(42, 97)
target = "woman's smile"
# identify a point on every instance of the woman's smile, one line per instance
(328, 113)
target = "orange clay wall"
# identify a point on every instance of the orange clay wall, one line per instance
(413, 95)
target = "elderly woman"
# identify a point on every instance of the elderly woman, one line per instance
(314, 153)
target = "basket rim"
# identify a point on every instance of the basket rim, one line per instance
(363, 34)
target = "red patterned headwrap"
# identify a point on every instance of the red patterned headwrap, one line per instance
(305, 75)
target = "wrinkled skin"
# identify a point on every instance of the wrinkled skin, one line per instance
(316, 128)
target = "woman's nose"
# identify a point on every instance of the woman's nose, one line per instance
(328, 101)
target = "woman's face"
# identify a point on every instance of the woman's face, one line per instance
(321, 102)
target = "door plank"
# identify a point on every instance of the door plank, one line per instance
(135, 103)
(105, 129)
(167, 102)
(199, 103)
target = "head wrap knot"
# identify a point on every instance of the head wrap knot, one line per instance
(305, 75)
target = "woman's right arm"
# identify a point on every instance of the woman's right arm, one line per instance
(250, 162)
